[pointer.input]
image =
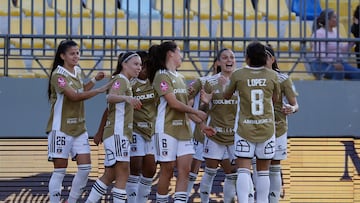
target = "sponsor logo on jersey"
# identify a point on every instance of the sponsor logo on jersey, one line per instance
(145, 96)
(180, 91)
(138, 90)
(61, 82)
(164, 86)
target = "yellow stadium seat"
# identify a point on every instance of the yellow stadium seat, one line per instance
(127, 29)
(243, 9)
(197, 29)
(342, 5)
(295, 30)
(105, 8)
(159, 29)
(41, 67)
(88, 27)
(73, 8)
(299, 72)
(109, 66)
(179, 12)
(277, 10)
(36, 8)
(263, 29)
(17, 68)
(4, 9)
(231, 30)
(342, 31)
(190, 69)
(24, 27)
(208, 9)
(55, 27)
(89, 65)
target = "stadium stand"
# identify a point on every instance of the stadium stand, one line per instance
(105, 8)
(177, 11)
(196, 29)
(139, 9)
(7, 8)
(208, 9)
(306, 9)
(275, 10)
(228, 29)
(265, 29)
(21, 27)
(199, 29)
(73, 8)
(58, 26)
(96, 27)
(36, 8)
(241, 9)
(299, 29)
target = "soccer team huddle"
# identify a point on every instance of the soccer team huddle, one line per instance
(235, 118)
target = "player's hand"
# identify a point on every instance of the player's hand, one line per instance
(207, 130)
(98, 138)
(99, 76)
(136, 103)
(205, 97)
(288, 109)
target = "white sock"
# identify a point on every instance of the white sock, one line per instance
(180, 197)
(132, 188)
(97, 191)
(55, 184)
(230, 187)
(192, 179)
(242, 184)
(144, 189)
(252, 191)
(79, 182)
(119, 195)
(275, 183)
(262, 186)
(162, 198)
(206, 184)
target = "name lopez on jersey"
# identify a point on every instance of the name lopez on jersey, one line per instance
(256, 82)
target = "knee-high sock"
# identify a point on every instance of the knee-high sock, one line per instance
(144, 189)
(55, 184)
(192, 179)
(162, 198)
(132, 186)
(275, 183)
(262, 187)
(97, 191)
(230, 187)
(119, 195)
(180, 197)
(79, 182)
(206, 184)
(254, 174)
(243, 188)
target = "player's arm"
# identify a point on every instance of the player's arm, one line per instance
(292, 107)
(99, 76)
(181, 107)
(98, 137)
(73, 95)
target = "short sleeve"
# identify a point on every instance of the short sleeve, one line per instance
(162, 84)
(59, 82)
(118, 87)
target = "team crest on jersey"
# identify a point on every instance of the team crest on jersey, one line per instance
(164, 86)
(61, 82)
(116, 85)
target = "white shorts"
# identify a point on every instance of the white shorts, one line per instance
(140, 146)
(60, 145)
(213, 150)
(117, 148)
(247, 149)
(199, 148)
(281, 147)
(169, 148)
